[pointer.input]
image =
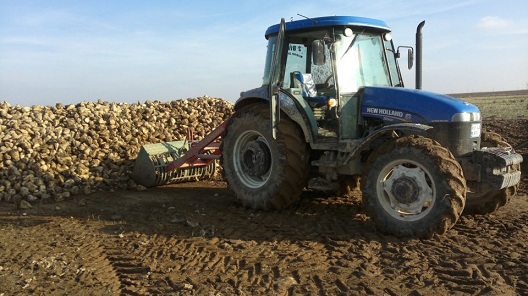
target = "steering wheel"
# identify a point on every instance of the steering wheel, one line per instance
(327, 81)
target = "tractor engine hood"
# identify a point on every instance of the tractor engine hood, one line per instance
(394, 104)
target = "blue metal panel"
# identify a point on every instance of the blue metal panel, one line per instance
(411, 105)
(330, 21)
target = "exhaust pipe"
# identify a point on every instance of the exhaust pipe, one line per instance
(419, 55)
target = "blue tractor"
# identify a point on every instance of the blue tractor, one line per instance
(333, 107)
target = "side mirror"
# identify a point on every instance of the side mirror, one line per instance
(318, 52)
(410, 56)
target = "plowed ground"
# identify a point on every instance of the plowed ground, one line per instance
(196, 239)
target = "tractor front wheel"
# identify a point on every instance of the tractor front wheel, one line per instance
(263, 172)
(413, 187)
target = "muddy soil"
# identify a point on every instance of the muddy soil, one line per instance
(196, 239)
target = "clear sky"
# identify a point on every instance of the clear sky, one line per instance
(130, 51)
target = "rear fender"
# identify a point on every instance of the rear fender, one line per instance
(296, 110)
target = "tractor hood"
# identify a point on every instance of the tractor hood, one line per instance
(394, 104)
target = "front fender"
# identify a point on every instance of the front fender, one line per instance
(405, 128)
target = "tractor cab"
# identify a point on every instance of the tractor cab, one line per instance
(324, 64)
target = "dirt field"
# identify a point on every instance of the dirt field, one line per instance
(195, 239)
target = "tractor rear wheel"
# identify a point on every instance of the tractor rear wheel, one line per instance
(489, 202)
(263, 172)
(413, 187)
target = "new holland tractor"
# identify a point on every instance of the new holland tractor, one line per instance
(332, 107)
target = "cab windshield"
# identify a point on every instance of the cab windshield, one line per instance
(363, 60)
(356, 59)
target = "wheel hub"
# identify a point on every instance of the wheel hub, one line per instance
(407, 190)
(256, 158)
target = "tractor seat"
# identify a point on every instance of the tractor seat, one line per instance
(307, 85)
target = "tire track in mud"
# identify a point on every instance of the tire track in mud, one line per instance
(253, 252)
(96, 268)
(68, 262)
(284, 252)
(132, 270)
(475, 265)
(201, 265)
(78, 257)
(108, 261)
(302, 250)
(479, 256)
(471, 258)
(321, 246)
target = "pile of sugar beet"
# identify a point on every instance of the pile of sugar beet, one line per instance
(55, 152)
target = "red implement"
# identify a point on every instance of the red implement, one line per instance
(200, 153)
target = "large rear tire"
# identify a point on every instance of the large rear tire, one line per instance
(413, 187)
(488, 202)
(264, 173)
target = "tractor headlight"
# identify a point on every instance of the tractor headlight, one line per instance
(466, 117)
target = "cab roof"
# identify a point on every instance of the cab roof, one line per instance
(328, 21)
